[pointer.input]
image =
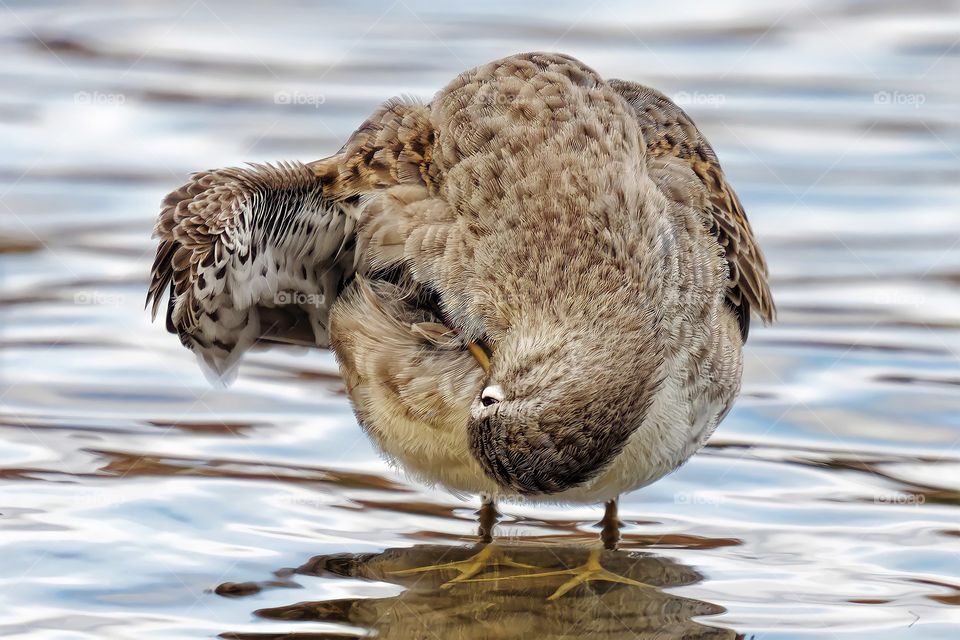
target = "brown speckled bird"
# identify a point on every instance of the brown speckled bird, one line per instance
(538, 285)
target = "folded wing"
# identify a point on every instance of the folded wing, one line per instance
(685, 167)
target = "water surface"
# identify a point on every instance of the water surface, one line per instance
(825, 506)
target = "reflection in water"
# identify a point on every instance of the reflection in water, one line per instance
(501, 609)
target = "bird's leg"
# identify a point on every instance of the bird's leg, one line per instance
(591, 570)
(610, 533)
(490, 555)
(488, 518)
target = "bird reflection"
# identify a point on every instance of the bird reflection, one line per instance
(490, 608)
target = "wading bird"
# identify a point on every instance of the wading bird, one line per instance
(537, 286)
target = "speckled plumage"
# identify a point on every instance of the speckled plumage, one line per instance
(581, 230)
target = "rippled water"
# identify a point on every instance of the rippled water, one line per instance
(826, 505)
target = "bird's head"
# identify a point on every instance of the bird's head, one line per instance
(562, 398)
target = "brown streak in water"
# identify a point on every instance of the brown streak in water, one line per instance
(851, 347)
(868, 601)
(19, 245)
(951, 599)
(914, 379)
(57, 344)
(123, 464)
(884, 457)
(32, 298)
(208, 427)
(410, 507)
(87, 175)
(929, 493)
(677, 541)
(71, 47)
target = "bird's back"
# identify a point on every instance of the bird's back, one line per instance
(545, 164)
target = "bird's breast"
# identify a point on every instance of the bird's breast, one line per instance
(411, 381)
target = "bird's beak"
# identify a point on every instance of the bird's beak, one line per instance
(480, 355)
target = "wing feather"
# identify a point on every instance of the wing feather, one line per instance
(238, 244)
(684, 165)
(261, 253)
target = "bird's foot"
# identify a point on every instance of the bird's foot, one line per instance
(490, 556)
(590, 571)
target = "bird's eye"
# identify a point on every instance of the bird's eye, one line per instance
(491, 395)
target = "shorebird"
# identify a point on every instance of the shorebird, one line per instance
(537, 286)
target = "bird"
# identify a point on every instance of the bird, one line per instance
(537, 286)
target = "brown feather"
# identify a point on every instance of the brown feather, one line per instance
(581, 229)
(668, 131)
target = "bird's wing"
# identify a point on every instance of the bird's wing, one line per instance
(685, 167)
(249, 254)
(261, 253)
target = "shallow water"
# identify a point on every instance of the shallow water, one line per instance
(825, 506)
